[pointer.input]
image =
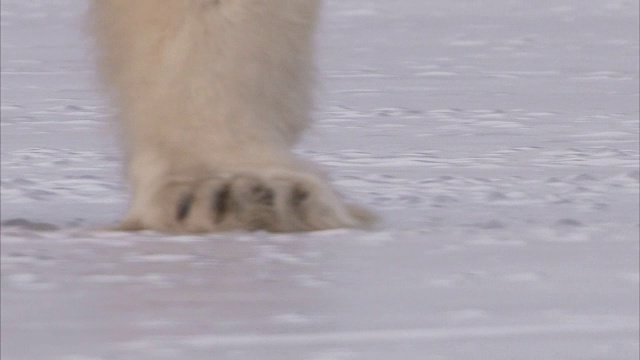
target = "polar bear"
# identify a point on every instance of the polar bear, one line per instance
(212, 96)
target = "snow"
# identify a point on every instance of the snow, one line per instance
(498, 140)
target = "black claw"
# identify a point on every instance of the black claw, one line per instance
(184, 206)
(220, 204)
(298, 196)
(263, 195)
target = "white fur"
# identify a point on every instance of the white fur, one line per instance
(212, 94)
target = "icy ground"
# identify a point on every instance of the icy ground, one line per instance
(498, 139)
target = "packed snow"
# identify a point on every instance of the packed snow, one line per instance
(497, 140)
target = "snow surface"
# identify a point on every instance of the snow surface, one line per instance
(497, 139)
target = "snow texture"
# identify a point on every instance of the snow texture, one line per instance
(498, 140)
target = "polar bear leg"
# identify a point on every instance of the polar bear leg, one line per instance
(212, 95)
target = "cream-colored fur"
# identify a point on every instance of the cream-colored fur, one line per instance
(212, 95)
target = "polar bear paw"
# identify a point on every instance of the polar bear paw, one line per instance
(276, 202)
